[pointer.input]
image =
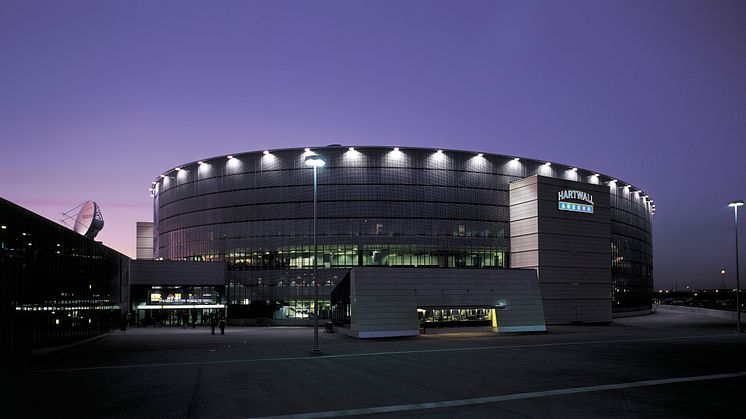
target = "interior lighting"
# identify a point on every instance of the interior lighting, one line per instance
(178, 169)
(596, 175)
(351, 148)
(396, 148)
(307, 149)
(230, 157)
(480, 155)
(574, 169)
(548, 163)
(163, 176)
(266, 152)
(200, 162)
(516, 159)
(440, 151)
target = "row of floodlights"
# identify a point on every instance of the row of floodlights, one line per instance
(318, 161)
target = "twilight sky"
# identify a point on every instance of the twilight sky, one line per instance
(99, 97)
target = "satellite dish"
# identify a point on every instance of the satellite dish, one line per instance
(88, 221)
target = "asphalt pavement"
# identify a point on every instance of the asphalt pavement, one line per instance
(662, 365)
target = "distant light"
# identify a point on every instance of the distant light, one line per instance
(516, 159)
(548, 163)
(200, 162)
(735, 203)
(307, 149)
(3, 227)
(230, 157)
(574, 169)
(266, 152)
(440, 151)
(315, 160)
(480, 155)
(351, 148)
(396, 148)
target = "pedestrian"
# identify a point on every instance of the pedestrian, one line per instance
(213, 323)
(123, 323)
(222, 325)
(184, 319)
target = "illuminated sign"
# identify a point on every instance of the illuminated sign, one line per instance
(575, 201)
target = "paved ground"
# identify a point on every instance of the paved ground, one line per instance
(662, 365)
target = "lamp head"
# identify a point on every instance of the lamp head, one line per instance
(735, 203)
(315, 160)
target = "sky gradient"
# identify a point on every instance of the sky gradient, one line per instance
(99, 97)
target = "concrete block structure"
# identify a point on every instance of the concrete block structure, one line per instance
(385, 302)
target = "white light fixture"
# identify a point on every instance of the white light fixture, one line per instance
(230, 157)
(315, 160)
(307, 149)
(516, 159)
(200, 162)
(548, 163)
(153, 182)
(440, 151)
(396, 148)
(480, 155)
(163, 176)
(265, 152)
(351, 148)
(596, 175)
(3, 227)
(574, 169)
(178, 169)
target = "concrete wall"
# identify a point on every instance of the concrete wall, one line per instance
(569, 250)
(722, 314)
(144, 240)
(385, 300)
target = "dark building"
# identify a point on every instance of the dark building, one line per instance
(58, 287)
(405, 208)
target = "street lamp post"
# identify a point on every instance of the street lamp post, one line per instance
(315, 161)
(735, 205)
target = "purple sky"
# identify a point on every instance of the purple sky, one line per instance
(99, 97)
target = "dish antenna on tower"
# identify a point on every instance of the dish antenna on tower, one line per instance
(88, 220)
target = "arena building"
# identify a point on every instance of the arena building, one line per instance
(585, 234)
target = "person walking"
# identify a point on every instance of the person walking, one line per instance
(222, 325)
(213, 322)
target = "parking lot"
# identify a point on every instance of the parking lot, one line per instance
(662, 365)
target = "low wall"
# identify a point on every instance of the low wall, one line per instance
(631, 313)
(728, 315)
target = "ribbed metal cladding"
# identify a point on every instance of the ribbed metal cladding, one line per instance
(415, 207)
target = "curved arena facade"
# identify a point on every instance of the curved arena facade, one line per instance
(404, 207)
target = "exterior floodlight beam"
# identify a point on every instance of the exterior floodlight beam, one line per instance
(315, 161)
(735, 205)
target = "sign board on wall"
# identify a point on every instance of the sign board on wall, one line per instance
(575, 201)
